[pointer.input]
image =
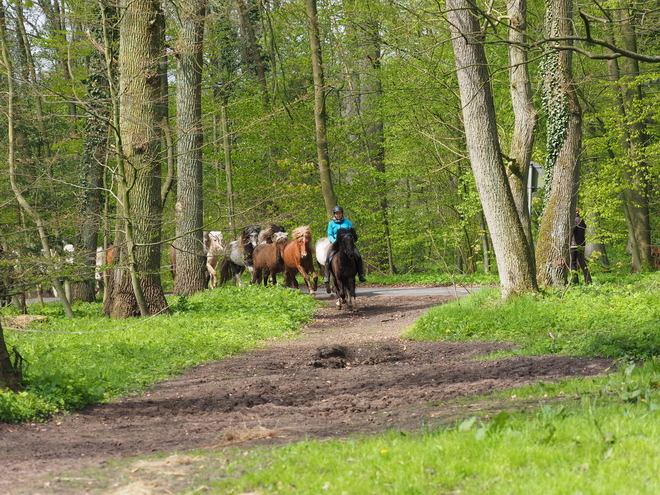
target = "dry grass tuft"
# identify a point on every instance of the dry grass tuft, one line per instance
(232, 436)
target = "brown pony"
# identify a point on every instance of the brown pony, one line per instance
(267, 259)
(298, 258)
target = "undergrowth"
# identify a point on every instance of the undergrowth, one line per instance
(614, 319)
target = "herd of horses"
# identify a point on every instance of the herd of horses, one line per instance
(270, 252)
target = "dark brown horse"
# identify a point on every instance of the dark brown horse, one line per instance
(238, 255)
(267, 259)
(298, 259)
(343, 268)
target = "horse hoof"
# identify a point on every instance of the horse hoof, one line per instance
(327, 288)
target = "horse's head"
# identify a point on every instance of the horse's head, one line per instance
(280, 239)
(267, 236)
(346, 240)
(302, 236)
(250, 236)
(213, 242)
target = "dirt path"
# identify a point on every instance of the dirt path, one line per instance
(348, 373)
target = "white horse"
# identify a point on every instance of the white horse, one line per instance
(322, 247)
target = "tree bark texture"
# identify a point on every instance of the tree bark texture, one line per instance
(190, 259)
(512, 251)
(139, 119)
(525, 115)
(563, 151)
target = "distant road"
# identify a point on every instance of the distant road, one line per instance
(366, 291)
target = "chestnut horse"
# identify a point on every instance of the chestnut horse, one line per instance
(267, 259)
(343, 267)
(298, 258)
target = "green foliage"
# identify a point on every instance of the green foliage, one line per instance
(74, 362)
(614, 320)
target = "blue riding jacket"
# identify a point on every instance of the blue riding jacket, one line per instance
(334, 226)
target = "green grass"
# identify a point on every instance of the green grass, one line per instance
(603, 319)
(72, 362)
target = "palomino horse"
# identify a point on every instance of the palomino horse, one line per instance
(238, 255)
(213, 244)
(268, 260)
(343, 267)
(298, 258)
(213, 247)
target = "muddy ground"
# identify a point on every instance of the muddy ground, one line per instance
(348, 373)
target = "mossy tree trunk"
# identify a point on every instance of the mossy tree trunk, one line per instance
(564, 139)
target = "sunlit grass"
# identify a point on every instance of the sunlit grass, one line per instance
(609, 320)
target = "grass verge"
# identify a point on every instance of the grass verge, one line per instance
(71, 362)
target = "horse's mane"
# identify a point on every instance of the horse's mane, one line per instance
(341, 233)
(304, 231)
(245, 234)
(266, 235)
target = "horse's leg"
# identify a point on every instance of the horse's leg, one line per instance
(213, 276)
(351, 294)
(305, 276)
(238, 270)
(256, 277)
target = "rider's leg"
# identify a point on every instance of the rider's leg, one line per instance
(326, 278)
(360, 266)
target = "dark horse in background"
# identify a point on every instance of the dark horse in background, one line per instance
(343, 268)
(238, 255)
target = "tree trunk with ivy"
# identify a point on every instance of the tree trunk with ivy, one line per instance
(512, 251)
(564, 140)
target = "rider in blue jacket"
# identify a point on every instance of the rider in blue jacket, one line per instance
(339, 221)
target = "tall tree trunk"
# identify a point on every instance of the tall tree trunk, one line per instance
(139, 164)
(563, 150)
(512, 251)
(190, 259)
(525, 114)
(633, 143)
(95, 149)
(323, 154)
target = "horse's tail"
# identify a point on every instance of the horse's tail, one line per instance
(225, 271)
